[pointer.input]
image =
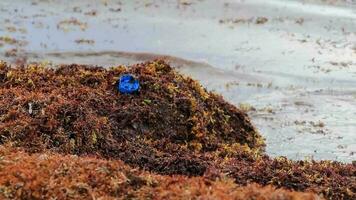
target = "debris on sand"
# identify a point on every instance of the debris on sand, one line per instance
(171, 126)
(84, 41)
(12, 41)
(256, 20)
(72, 23)
(261, 20)
(8, 40)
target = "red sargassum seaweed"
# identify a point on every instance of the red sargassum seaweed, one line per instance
(53, 176)
(172, 126)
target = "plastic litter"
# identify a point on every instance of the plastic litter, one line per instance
(128, 84)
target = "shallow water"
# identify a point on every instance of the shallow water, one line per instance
(295, 72)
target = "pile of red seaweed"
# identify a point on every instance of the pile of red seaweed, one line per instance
(172, 126)
(53, 176)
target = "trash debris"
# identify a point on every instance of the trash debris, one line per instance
(128, 84)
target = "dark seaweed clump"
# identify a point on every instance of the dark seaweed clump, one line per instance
(171, 126)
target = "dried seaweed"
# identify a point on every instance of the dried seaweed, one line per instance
(53, 176)
(330, 179)
(171, 126)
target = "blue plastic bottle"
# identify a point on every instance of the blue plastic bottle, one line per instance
(128, 84)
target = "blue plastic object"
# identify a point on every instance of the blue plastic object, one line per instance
(128, 84)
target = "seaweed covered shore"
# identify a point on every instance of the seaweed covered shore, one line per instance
(172, 138)
(53, 176)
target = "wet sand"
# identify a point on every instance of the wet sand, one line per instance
(290, 64)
